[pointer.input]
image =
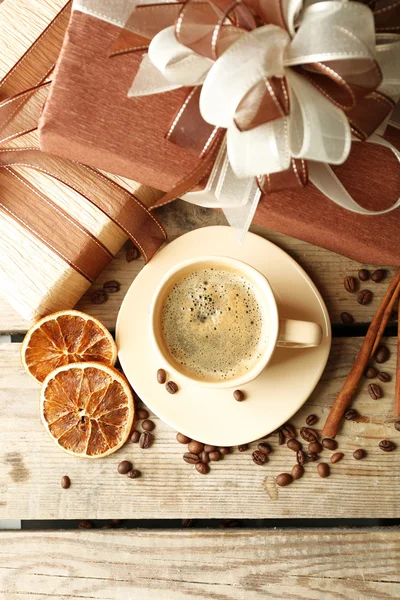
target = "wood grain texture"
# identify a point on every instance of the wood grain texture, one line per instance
(31, 466)
(201, 565)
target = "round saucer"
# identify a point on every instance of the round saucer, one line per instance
(213, 416)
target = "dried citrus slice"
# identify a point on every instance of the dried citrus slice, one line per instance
(87, 409)
(66, 337)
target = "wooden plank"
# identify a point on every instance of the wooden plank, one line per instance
(31, 466)
(176, 565)
(326, 268)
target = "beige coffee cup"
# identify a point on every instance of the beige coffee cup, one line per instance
(281, 332)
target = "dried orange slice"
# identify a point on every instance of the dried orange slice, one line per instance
(66, 337)
(87, 409)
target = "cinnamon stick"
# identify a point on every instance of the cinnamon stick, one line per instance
(397, 384)
(385, 318)
(350, 386)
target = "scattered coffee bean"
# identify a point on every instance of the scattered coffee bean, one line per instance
(142, 413)
(384, 377)
(259, 457)
(314, 447)
(204, 457)
(351, 414)
(224, 450)
(209, 448)
(116, 522)
(148, 425)
(187, 522)
(359, 453)
(284, 479)
(243, 447)
(85, 525)
(215, 455)
(382, 354)
(336, 457)
(135, 437)
(238, 395)
(397, 425)
(375, 391)
(311, 420)
(312, 457)
(111, 287)
(308, 434)
(350, 284)
(161, 376)
(202, 468)
(98, 297)
(190, 458)
(323, 470)
(146, 439)
(387, 446)
(134, 474)
(371, 373)
(171, 387)
(65, 482)
(347, 318)
(264, 448)
(195, 447)
(301, 457)
(124, 467)
(132, 254)
(289, 430)
(183, 439)
(329, 443)
(364, 296)
(364, 275)
(281, 437)
(297, 471)
(378, 275)
(294, 445)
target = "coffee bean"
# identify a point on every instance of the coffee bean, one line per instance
(107, 526)
(161, 376)
(116, 522)
(135, 436)
(146, 439)
(191, 458)
(364, 275)
(243, 447)
(294, 445)
(351, 414)
(301, 457)
(187, 522)
(378, 275)
(85, 525)
(171, 387)
(336, 457)
(314, 447)
(323, 470)
(65, 482)
(209, 448)
(134, 474)
(387, 446)
(281, 437)
(384, 377)
(195, 447)
(312, 457)
(224, 450)
(284, 479)
(204, 457)
(311, 420)
(382, 354)
(238, 395)
(329, 444)
(259, 457)
(264, 448)
(142, 413)
(132, 254)
(364, 296)
(397, 425)
(202, 468)
(289, 430)
(350, 284)
(308, 434)
(124, 467)
(359, 453)
(375, 391)
(183, 439)
(371, 373)
(98, 297)
(111, 287)
(215, 455)
(297, 471)
(148, 425)
(347, 318)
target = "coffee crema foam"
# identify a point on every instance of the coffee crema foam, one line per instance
(213, 325)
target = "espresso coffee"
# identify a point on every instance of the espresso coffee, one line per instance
(213, 324)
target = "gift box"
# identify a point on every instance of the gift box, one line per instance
(90, 118)
(61, 222)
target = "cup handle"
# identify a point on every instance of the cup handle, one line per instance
(299, 334)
